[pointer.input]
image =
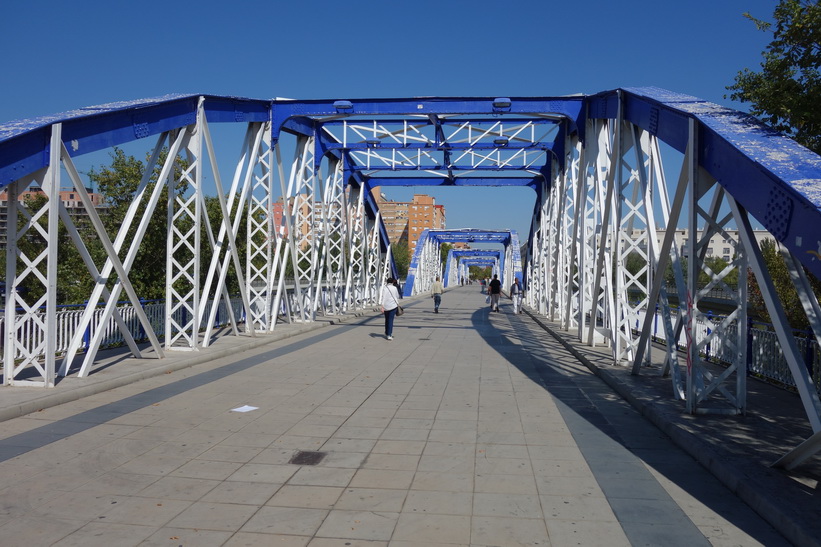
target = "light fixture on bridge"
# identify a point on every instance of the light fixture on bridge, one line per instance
(501, 141)
(343, 106)
(501, 102)
(372, 143)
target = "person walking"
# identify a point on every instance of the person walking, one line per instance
(437, 289)
(390, 305)
(516, 296)
(495, 292)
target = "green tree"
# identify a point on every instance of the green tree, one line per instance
(444, 248)
(634, 263)
(401, 256)
(784, 288)
(786, 92)
(118, 184)
(480, 273)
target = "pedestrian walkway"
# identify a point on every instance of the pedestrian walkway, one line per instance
(469, 428)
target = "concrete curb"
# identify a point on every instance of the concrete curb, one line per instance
(735, 480)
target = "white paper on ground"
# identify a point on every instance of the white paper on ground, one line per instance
(244, 408)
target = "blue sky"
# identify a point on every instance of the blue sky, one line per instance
(63, 55)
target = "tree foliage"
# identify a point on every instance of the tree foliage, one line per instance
(480, 273)
(118, 184)
(401, 256)
(786, 92)
(784, 288)
(444, 248)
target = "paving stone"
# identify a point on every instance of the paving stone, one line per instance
(213, 516)
(372, 499)
(286, 521)
(508, 531)
(370, 525)
(179, 488)
(423, 528)
(102, 534)
(166, 537)
(250, 493)
(312, 497)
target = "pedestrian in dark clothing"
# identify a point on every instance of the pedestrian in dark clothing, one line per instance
(495, 292)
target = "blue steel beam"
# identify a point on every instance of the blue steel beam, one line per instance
(530, 182)
(570, 108)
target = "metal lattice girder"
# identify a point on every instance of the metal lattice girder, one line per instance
(355, 281)
(99, 290)
(374, 278)
(443, 144)
(335, 235)
(301, 235)
(183, 247)
(259, 261)
(23, 323)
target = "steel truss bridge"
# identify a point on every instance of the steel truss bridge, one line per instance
(603, 168)
(426, 263)
(458, 263)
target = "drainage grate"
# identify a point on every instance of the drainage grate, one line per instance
(307, 458)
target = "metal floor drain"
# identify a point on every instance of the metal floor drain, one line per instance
(307, 458)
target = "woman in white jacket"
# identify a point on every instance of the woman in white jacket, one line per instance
(390, 303)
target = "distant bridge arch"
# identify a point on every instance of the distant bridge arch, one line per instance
(459, 260)
(426, 263)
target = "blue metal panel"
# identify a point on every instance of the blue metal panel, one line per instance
(460, 253)
(448, 265)
(24, 154)
(407, 289)
(236, 110)
(89, 134)
(528, 182)
(567, 107)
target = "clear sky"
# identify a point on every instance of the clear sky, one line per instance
(60, 55)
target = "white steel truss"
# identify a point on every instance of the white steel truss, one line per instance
(261, 230)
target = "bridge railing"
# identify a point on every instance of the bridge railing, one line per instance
(765, 357)
(68, 321)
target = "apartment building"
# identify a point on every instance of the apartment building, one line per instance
(406, 220)
(69, 197)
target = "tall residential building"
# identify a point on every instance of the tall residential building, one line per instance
(406, 220)
(69, 197)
